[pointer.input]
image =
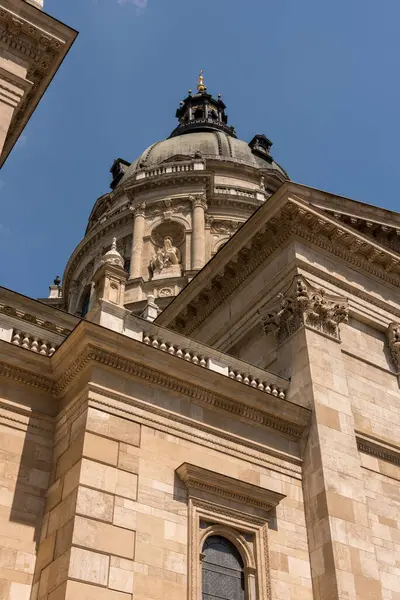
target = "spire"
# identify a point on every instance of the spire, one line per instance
(200, 85)
(202, 112)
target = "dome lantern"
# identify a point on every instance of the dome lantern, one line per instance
(202, 112)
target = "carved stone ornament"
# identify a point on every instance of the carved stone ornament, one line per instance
(199, 200)
(304, 305)
(393, 335)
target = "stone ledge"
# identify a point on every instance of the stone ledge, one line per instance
(380, 449)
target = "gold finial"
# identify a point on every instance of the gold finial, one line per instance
(200, 85)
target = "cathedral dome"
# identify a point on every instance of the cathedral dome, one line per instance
(174, 207)
(216, 145)
(202, 132)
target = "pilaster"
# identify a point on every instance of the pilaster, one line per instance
(342, 554)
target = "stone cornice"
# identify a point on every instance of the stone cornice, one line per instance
(378, 448)
(198, 479)
(39, 40)
(255, 244)
(26, 377)
(93, 354)
(11, 311)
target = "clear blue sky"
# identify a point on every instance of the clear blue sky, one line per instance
(320, 79)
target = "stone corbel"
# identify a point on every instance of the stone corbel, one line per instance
(303, 305)
(393, 335)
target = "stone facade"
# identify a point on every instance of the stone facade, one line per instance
(274, 425)
(260, 407)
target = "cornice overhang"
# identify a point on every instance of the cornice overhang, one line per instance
(284, 215)
(26, 367)
(198, 480)
(379, 449)
(28, 310)
(39, 40)
(90, 344)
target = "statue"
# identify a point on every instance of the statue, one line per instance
(167, 256)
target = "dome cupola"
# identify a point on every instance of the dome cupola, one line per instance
(202, 112)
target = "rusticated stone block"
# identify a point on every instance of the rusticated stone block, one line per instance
(89, 566)
(100, 449)
(95, 504)
(104, 537)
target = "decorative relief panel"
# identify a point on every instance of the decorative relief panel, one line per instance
(393, 335)
(304, 305)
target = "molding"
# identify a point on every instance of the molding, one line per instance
(236, 526)
(199, 394)
(10, 311)
(26, 377)
(10, 413)
(199, 479)
(378, 448)
(303, 305)
(189, 429)
(230, 513)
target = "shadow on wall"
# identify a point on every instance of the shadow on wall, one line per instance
(26, 445)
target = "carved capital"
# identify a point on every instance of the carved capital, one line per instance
(199, 201)
(303, 305)
(140, 210)
(393, 335)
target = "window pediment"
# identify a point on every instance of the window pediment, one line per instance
(199, 479)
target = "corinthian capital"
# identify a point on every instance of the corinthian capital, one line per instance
(303, 305)
(199, 200)
(139, 210)
(393, 335)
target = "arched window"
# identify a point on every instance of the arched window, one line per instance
(223, 575)
(85, 304)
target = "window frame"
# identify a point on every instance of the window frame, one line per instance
(235, 526)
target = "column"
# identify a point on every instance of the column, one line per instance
(137, 241)
(198, 231)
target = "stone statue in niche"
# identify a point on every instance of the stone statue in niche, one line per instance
(166, 261)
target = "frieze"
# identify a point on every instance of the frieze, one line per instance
(226, 227)
(303, 305)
